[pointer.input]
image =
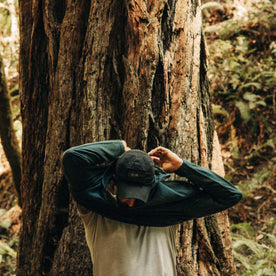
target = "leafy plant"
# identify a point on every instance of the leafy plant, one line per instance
(243, 76)
(242, 58)
(253, 257)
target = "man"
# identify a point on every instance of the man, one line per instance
(130, 212)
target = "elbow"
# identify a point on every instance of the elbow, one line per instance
(235, 198)
(238, 196)
(67, 158)
(69, 163)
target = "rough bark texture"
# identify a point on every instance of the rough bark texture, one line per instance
(97, 70)
(7, 132)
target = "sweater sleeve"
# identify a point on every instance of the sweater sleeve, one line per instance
(84, 165)
(214, 192)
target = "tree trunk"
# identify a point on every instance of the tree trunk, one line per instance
(7, 132)
(98, 70)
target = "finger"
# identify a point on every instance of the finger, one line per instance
(157, 151)
(156, 159)
(153, 152)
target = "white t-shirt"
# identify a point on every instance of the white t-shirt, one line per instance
(122, 249)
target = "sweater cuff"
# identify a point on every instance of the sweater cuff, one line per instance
(181, 171)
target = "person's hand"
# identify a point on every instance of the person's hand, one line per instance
(125, 145)
(168, 160)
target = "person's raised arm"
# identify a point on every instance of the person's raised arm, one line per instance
(83, 164)
(222, 194)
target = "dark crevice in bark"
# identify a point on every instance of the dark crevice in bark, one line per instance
(199, 133)
(216, 241)
(166, 24)
(194, 241)
(204, 101)
(157, 134)
(59, 10)
(52, 22)
(195, 4)
(37, 107)
(116, 69)
(83, 27)
(158, 92)
(205, 97)
(181, 231)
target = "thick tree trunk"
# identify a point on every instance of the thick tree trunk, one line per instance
(7, 131)
(97, 70)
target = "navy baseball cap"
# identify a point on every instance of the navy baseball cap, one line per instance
(134, 174)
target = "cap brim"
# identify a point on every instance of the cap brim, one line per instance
(132, 190)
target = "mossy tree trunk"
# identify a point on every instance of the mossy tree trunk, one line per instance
(98, 70)
(7, 132)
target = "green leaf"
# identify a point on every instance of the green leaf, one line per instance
(268, 143)
(255, 84)
(5, 223)
(244, 110)
(250, 97)
(6, 250)
(262, 103)
(242, 259)
(249, 244)
(218, 109)
(264, 74)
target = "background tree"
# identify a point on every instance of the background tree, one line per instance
(90, 71)
(7, 132)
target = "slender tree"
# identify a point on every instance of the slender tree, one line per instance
(98, 70)
(7, 132)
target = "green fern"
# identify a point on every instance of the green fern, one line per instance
(244, 110)
(269, 143)
(5, 249)
(243, 228)
(252, 257)
(218, 109)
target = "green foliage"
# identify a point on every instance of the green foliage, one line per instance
(255, 256)
(242, 58)
(217, 109)
(244, 110)
(244, 229)
(7, 257)
(7, 245)
(257, 151)
(5, 249)
(240, 78)
(256, 181)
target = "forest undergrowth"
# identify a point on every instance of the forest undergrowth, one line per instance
(241, 43)
(240, 38)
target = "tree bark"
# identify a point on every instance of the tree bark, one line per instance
(7, 132)
(98, 70)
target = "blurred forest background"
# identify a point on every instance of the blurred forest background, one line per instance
(240, 37)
